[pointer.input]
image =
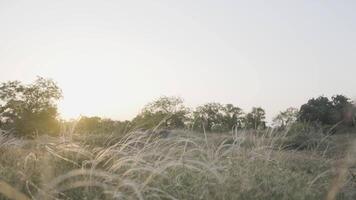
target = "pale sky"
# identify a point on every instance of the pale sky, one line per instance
(112, 57)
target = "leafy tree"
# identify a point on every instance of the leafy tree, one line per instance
(343, 110)
(232, 117)
(208, 117)
(286, 118)
(217, 117)
(256, 119)
(98, 125)
(88, 125)
(317, 110)
(122, 126)
(328, 112)
(166, 112)
(30, 109)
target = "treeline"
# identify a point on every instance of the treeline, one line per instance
(171, 113)
(27, 110)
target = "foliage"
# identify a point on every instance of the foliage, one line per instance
(208, 116)
(256, 119)
(232, 117)
(217, 117)
(96, 125)
(302, 136)
(29, 109)
(286, 118)
(328, 112)
(317, 110)
(88, 124)
(165, 112)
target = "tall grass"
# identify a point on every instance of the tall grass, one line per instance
(180, 165)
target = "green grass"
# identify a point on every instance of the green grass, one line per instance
(184, 165)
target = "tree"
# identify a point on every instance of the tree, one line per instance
(208, 117)
(88, 125)
(328, 112)
(30, 109)
(166, 112)
(232, 117)
(256, 119)
(286, 118)
(99, 125)
(217, 117)
(343, 111)
(317, 110)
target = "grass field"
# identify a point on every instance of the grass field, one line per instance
(179, 165)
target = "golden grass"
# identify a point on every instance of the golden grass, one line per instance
(183, 165)
(10, 192)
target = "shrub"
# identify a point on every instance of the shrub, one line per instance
(306, 136)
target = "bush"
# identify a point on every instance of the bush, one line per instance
(306, 136)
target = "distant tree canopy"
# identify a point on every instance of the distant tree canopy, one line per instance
(208, 116)
(232, 117)
(165, 112)
(286, 118)
(339, 109)
(217, 117)
(256, 119)
(90, 125)
(170, 113)
(29, 109)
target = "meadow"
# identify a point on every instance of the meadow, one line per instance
(171, 100)
(179, 164)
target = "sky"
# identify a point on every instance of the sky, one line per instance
(112, 57)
